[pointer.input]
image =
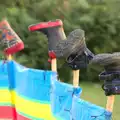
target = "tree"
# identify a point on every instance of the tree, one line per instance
(101, 28)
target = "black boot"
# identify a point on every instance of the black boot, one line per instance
(111, 75)
(74, 50)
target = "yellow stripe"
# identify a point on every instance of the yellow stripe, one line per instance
(34, 109)
(5, 96)
(13, 98)
(37, 110)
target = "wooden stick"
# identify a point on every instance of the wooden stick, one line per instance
(9, 57)
(75, 78)
(54, 65)
(110, 103)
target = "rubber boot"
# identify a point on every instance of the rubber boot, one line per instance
(111, 74)
(54, 32)
(74, 49)
(9, 39)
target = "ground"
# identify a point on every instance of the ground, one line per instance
(94, 93)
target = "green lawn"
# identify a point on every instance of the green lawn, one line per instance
(94, 94)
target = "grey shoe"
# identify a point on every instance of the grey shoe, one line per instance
(53, 31)
(111, 75)
(74, 43)
(74, 50)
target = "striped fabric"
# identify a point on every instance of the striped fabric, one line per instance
(67, 104)
(83, 110)
(6, 105)
(31, 94)
(31, 91)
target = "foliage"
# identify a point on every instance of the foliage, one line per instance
(94, 16)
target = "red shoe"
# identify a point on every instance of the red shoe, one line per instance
(9, 39)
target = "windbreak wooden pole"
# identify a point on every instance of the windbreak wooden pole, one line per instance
(54, 65)
(9, 57)
(110, 103)
(54, 32)
(76, 78)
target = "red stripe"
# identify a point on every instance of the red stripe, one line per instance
(45, 25)
(8, 112)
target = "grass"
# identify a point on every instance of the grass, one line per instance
(94, 94)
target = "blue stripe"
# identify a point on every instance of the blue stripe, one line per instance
(32, 83)
(4, 83)
(83, 110)
(61, 99)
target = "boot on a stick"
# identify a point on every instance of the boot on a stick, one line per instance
(74, 49)
(9, 39)
(53, 31)
(111, 74)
